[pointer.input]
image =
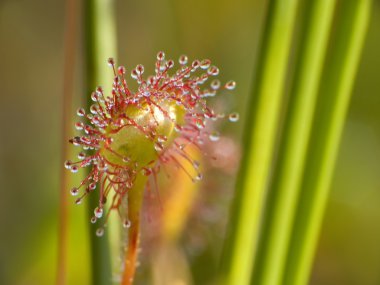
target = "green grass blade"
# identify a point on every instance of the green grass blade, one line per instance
(71, 18)
(283, 194)
(100, 43)
(261, 129)
(338, 78)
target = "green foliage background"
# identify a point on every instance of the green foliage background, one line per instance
(31, 37)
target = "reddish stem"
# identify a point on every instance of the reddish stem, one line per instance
(131, 253)
(135, 198)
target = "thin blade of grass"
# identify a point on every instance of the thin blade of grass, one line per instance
(71, 15)
(283, 193)
(337, 81)
(100, 43)
(261, 128)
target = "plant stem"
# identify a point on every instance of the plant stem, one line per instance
(260, 135)
(100, 43)
(283, 194)
(135, 198)
(337, 81)
(67, 99)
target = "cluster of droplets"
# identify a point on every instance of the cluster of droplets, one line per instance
(154, 94)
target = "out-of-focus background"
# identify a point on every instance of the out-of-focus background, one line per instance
(31, 73)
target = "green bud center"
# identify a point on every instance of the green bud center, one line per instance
(148, 131)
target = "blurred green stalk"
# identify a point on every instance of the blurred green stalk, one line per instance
(100, 44)
(283, 202)
(260, 135)
(71, 17)
(336, 85)
(284, 191)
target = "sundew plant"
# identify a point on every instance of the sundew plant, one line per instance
(131, 137)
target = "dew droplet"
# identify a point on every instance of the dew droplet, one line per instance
(81, 112)
(215, 84)
(111, 61)
(74, 169)
(78, 201)
(74, 191)
(233, 117)
(92, 186)
(162, 138)
(199, 176)
(213, 70)
(100, 232)
(214, 136)
(98, 212)
(183, 59)
(146, 93)
(94, 109)
(178, 128)
(140, 69)
(150, 80)
(127, 223)
(160, 56)
(68, 164)
(170, 64)
(76, 141)
(126, 159)
(79, 126)
(121, 70)
(102, 166)
(195, 64)
(205, 63)
(99, 90)
(94, 96)
(162, 65)
(182, 146)
(146, 171)
(196, 164)
(134, 74)
(81, 155)
(93, 220)
(200, 124)
(158, 147)
(230, 85)
(129, 184)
